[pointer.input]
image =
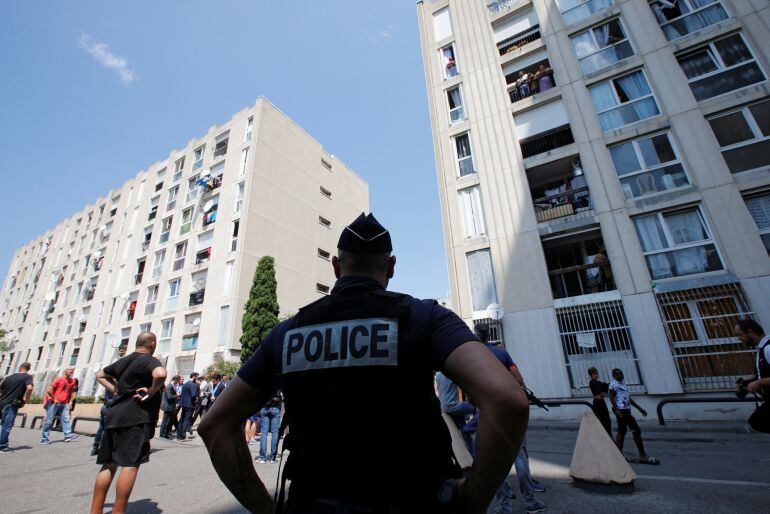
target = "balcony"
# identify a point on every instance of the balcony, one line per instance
(210, 217)
(547, 141)
(578, 265)
(131, 311)
(203, 256)
(518, 41)
(498, 7)
(558, 189)
(145, 245)
(196, 298)
(190, 342)
(138, 278)
(530, 81)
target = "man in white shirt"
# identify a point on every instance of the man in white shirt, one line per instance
(621, 406)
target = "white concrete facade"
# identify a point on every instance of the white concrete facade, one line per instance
(626, 82)
(256, 185)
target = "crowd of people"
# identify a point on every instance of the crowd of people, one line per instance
(529, 83)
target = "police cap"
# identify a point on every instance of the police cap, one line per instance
(365, 236)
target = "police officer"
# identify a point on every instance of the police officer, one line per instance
(347, 365)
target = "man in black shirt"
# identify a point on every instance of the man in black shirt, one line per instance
(598, 390)
(14, 393)
(135, 380)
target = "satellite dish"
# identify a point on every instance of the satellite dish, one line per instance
(113, 340)
(50, 296)
(97, 254)
(124, 296)
(196, 322)
(495, 311)
(199, 284)
(103, 228)
(208, 206)
(7, 300)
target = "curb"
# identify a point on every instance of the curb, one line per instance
(654, 428)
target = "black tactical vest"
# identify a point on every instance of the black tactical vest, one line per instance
(764, 368)
(365, 423)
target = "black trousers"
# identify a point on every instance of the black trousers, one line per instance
(185, 423)
(170, 422)
(601, 411)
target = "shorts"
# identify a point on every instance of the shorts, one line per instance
(254, 418)
(626, 421)
(125, 446)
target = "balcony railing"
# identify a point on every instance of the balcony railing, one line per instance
(531, 83)
(542, 143)
(583, 279)
(562, 204)
(518, 41)
(138, 278)
(497, 7)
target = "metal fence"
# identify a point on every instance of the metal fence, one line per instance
(495, 329)
(597, 335)
(699, 326)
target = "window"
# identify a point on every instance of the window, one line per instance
(152, 298)
(228, 281)
(173, 295)
(198, 288)
(323, 221)
(721, 66)
(210, 213)
(448, 62)
(442, 24)
(623, 100)
(198, 157)
(187, 218)
(145, 327)
(249, 129)
(456, 109)
(140, 264)
(326, 164)
(224, 317)
(220, 144)
(464, 156)
(234, 238)
(192, 189)
(203, 256)
(153, 208)
(49, 356)
(179, 255)
(325, 192)
(239, 197)
(682, 17)
(648, 165)
(575, 10)
(160, 259)
(324, 254)
(744, 136)
(244, 161)
(60, 358)
(473, 217)
(321, 288)
(482, 279)
(165, 229)
(677, 243)
(178, 169)
(529, 76)
(147, 239)
(601, 46)
(166, 331)
(759, 208)
(172, 194)
(159, 180)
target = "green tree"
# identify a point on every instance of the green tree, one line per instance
(261, 309)
(222, 367)
(3, 343)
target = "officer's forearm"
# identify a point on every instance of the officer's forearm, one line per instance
(500, 432)
(232, 461)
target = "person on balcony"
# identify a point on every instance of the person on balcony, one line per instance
(544, 78)
(522, 84)
(605, 270)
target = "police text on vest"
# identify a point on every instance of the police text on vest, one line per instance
(358, 342)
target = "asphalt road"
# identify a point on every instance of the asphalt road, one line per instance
(700, 472)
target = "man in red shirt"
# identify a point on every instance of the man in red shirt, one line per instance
(58, 396)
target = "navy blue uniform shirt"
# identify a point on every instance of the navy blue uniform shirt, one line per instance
(442, 329)
(190, 393)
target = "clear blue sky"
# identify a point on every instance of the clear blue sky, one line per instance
(77, 120)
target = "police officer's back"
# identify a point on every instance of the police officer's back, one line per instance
(356, 369)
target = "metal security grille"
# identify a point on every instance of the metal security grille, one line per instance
(495, 329)
(597, 335)
(699, 325)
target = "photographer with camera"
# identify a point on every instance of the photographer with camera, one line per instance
(750, 332)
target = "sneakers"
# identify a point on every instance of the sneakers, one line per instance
(261, 461)
(70, 438)
(536, 506)
(537, 486)
(253, 442)
(94, 451)
(45, 442)
(6, 450)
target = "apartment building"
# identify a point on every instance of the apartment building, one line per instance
(175, 248)
(603, 168)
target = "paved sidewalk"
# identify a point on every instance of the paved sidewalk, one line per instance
(700, 472)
